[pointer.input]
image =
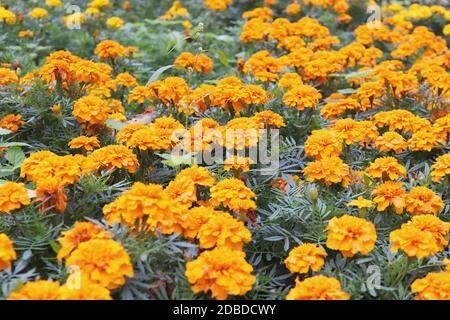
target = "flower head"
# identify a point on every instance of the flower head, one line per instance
(37, 290)
(389, 193)
(13, 196)
(7, 252)
(305, 257)
(328, 170)
(434, 286)
(422, 200)
(317, 288)
(87, 143)
(386, 168)
(233, 194)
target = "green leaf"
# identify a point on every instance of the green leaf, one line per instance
(222, 57)
(55, 246)
(174, 162)
(13, 144)
(158, 72)
(4, 131)
(114, 124)
(15, 156)
(347, 91)
(358, 74)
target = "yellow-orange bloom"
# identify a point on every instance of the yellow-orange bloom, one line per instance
(87, 143)
(13, 196)
(301, 97)
(422, 200)
(328, 170)
(323, 143)
(7, 252)
(305, 257)
(434, 286)
(317, 288)
(103, 262)
(389, 193)
(37, 290)
(440, 168)
(221, 270)
(114, 156)
(386, 168)
(233, 194)
(11, 122)
(391, 141)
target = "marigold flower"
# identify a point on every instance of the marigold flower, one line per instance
(237, 163)
(126, 80)
(221, 270)
(423, 140)
(305, 257)
(199, 63)
(391, 141)
(13, 196)
(351, 235)
(386, 168)
(301, 97)
(270, 118)
(317, 288)
(240, 133)
(38, 13)
(183, 190)
(199, 175)
(233, 194)
(293, 9)
(7, 77)
(114, 156)
(26, 34)
(53, 3)
(222, 230)
(217, 5)
(103, 262)
(440, 168)
(434, 286)
(80, 232)
(323, 143)
(91, 110)
(37, 290)
(175, 11)
(389, 193)
(361, 203)
(115, 23)
(194, 219)
(85, 291)
(87, 143)
(328, 170)
(422, 200)
(111, 49)
(7, 252)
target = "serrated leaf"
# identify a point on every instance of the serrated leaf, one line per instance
(15, 156)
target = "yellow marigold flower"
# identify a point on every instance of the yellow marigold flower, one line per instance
(386, 168)
(336, 107)
(114, 156)
(91, 110)
(237, 163)
(37, 290)
(12, 196)
(127, 132)
(103, 262)
(26, 34)
(323, 143)
(422, 200)
(183, 190)
(301, 97)
(194, 219)
(222, 230)
(170, 91)
(87, 143)
(293, 9)
(7, 252)
(199, 175)
(111, 49)
(389, 193)
(434, 286)
(270, 118)
(317, 288)
(361, 203)
(351, 131)
(217, 5)
(82, 289)
(221, 270)
(391, 141)
(351, 235)
(80, 232)
(98, 4)
(175, 11)
(126, 80)
(395, 119)
(240, 133)
(289, 80)
(305, 257)
(50, 192)
(53, 3)
(328, 170)
(7, 16)
(139, 94)
(233, 194)
(441, 167)
(446, 30)
(38, 13)
(199, 63)
(7, 77)
(115, 23)
(11, 122)
(422, 141)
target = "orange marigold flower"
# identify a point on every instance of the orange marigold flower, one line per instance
(183, 190)
(336, 107)
(386, 168)
(293, 9)
(391, 141)
(7, 252)
(317, 288)
(91, 110)
(126, 80)
(80, 232)
(305, 257)
(289, 80)
(422, 200)
(11, 122)
(139, 94)
(301, 97)
(37, 290)
(170, 91)
(194, 219)
(127, 132)
(361, 203)
(7, 76)
(389, 193)
(440, 168)
(199, 175)
(423, 140)
(270, 118)
(328, 170)
(111, 49)
(102, 261)
(233, 194)
(351, 235)
(199, 63)
(221, 270)
(84, 291)
(13, 196)
(323, 143)
(217, 5)
(223, 230)
(434, 286)
(114, 156)
(237, 163)
(87, 143)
